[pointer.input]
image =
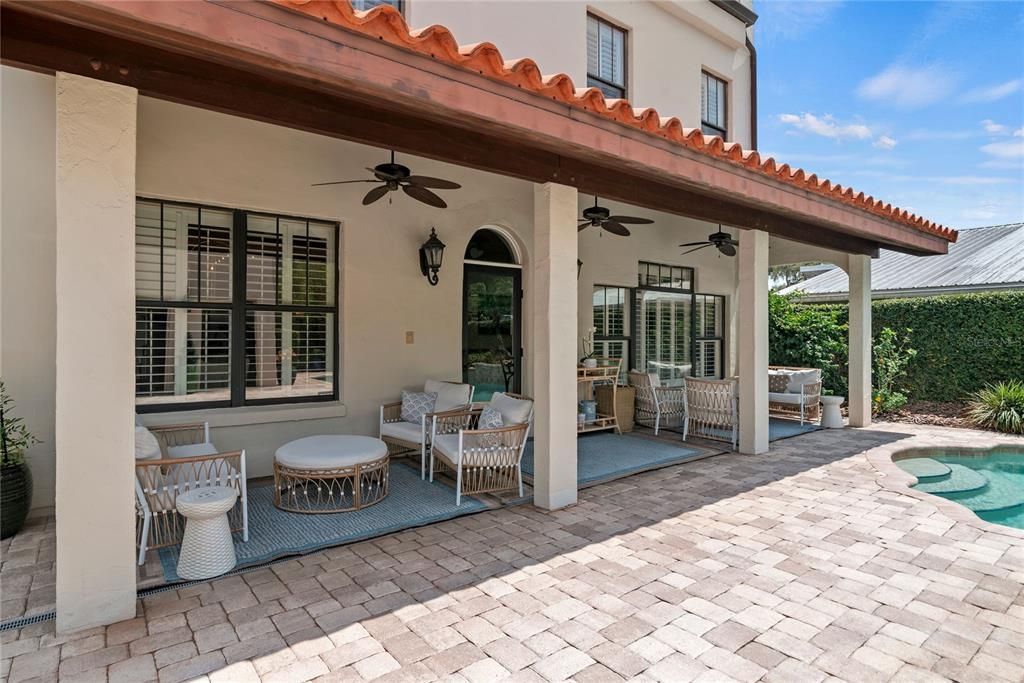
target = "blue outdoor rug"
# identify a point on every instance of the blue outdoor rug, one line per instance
(601, 457)
(273, 533)
(783, 429)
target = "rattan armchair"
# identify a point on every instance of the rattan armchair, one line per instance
(406, 438)
(657, 406)
(190, 461)
(713, 409)
(481, 460)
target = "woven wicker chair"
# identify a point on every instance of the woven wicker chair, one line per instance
(482, 460)
(713, 410)
(806, 403)
(406, 438)
(190, 461)
(657, 406)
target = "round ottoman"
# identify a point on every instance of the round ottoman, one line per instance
(207, 549)
(831, 417)
(330, 473)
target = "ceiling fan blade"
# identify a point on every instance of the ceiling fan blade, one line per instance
(694, 244)
(630, 220)
(726, 249)
(435, 183)
(375, 194)
(424, 195)
(342, 182)
(583, 225)
(706, 244)
(615, 228)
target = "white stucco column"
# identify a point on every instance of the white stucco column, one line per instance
(554, 345)
(859, 270)
(95, 202)
(752, 341)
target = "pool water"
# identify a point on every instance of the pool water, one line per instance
(991, 484)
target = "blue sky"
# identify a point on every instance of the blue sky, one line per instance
(920, 104)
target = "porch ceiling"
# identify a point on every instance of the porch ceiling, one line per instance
(267, 62)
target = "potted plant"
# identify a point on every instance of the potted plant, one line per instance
(15, 477)
(588, 360)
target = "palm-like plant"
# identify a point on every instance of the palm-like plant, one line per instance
(999, 407)
(14, 436)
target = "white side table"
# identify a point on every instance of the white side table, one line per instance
(207, 549)
(831, 417)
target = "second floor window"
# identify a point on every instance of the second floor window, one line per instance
(606, 57)
(370, 4)
(712, 104)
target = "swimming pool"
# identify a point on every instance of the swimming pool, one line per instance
(991, 483)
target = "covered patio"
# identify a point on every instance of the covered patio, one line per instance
(236, 111)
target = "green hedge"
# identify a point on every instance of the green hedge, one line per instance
(963, 341)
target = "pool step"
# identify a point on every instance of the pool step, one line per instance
(925, 469)
(960, 480)
(1000, 494)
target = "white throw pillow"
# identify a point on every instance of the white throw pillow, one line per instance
(146, 445)
(801, 377)
(514, 411)
(417, 404)
(449, 395)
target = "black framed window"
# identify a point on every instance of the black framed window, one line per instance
(611, 323)
(709, 335)
(233, 307)
(713, 105)
(606, 57)
(370, 4)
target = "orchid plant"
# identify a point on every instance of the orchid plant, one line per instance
(587, 342)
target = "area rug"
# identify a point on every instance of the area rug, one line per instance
(783, 429)
(603, 457)
(273, 533)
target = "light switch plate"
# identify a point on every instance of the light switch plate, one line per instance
(410, 337)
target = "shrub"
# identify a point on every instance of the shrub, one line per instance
(891, 356)
(809, 337)
(999, 407)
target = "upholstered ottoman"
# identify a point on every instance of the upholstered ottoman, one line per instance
(330, 473)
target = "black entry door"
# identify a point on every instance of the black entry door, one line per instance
(492, 329)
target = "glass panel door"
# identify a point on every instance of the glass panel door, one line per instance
(491, 342)
(664, 334)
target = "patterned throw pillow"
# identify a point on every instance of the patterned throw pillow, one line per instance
(416, 404)
(490, 418)
(777, 383)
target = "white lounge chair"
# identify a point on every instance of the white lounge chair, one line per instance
(657, 406)
(712, 409)
(404, 437)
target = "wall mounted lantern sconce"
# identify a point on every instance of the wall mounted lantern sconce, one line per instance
(431, 253)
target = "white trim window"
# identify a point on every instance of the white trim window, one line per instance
(606, 57)
(233, 307)
(713, 105)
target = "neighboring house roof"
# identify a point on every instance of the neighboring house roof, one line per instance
(387, 24)
(982, 259)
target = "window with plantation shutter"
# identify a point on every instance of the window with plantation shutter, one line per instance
(233, 307)
(713, 105)
(606, 57)
(370, 4)
(709, 312)
(611, 324)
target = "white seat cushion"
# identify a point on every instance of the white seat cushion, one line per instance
(448, 445)
(802, 377)
(330, 452)
(514, 411)
(791, 399)
(449, 395)
(191, 450)
(405, 431)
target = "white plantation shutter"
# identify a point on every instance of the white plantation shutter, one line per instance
(713, 104)
(606, 57)
(709, 313)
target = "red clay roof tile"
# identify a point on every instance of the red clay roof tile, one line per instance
(386, 23)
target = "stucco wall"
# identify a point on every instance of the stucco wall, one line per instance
(193, 155)
(669, 44)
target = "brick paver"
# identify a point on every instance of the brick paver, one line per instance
(805, 564)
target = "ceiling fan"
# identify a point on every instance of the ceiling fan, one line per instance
(600, 217)
(722, 241)
(395, 176)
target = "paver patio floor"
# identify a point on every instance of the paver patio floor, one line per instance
(803, 564)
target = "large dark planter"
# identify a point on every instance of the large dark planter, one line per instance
(15, 498)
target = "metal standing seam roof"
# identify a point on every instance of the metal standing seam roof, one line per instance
(982, 257)
(387, 24)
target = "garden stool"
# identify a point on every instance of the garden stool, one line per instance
(207, 549)
(831, 418)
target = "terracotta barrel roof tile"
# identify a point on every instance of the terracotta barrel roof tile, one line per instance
(386, 23)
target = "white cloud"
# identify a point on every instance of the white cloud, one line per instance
(908, 87)
(925, 134)
(885, 142)
(993, 128)
(826, 126)
(1007, 149)
(781, 19)
(979, 214)
(1019, 133)
(992, 93)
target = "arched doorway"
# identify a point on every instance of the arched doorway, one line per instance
(492, 287)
